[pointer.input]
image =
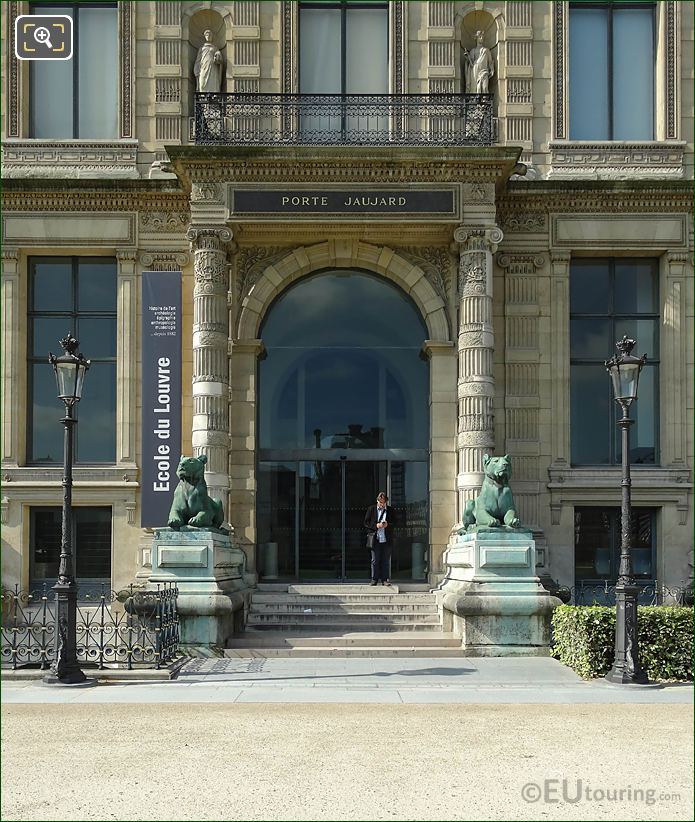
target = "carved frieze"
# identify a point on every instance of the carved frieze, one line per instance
(169, 222)
(79, 160)
(617, 161)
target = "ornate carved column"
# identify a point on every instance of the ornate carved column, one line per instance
(476, 387)
(210, 359)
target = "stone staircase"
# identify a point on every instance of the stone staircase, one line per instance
(342, 620)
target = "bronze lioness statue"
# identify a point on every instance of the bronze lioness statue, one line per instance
(192, 505)
(494, 505)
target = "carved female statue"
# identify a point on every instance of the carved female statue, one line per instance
(479, 66)
(208, 66)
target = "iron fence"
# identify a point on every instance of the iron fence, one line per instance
(343, 119)
(603, 593)
(128, 627)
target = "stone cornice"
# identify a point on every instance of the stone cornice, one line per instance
(546, 197)
(67, 195)
(353, 164)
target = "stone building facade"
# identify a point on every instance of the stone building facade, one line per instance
(520, 286)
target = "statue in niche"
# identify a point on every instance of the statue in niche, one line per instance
(208, 66)
(478, 66)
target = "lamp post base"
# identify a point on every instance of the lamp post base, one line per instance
(70, 681)
(626, 669)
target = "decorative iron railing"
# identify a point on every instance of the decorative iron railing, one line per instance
(126, 628)
(344, 119)
(603, 593)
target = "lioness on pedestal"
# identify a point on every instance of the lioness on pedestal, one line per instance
(191, 504)
(494, 505)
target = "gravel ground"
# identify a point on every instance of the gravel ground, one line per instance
(352, 762)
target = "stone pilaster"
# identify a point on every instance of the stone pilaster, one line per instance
(210, 434)
(476, 387)
(10, 359)
(126, 358)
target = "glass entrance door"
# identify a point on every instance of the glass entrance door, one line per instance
(311, 518)
(333, 497)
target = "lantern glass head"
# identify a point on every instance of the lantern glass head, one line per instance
(625, 370)
(70, 369)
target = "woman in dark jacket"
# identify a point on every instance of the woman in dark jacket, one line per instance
(379, 521)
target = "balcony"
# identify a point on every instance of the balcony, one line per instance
(343, 120)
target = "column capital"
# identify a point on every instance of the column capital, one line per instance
(434, 348)
(478, 238)
(210, 237)
(10, 253)
(126, 255)
(154, 260)
(507, 260)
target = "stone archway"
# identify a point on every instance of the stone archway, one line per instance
(342, 254)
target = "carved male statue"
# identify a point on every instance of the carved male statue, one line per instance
(479, 66)
(208, 66)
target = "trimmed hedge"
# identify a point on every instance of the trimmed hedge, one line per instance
(584, 637)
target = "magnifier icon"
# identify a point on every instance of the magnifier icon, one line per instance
(43, 35)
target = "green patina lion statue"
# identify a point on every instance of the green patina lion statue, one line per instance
(192, 505)
(494, 505)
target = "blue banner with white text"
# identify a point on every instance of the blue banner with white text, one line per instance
(161, 394)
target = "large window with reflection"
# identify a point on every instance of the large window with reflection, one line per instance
(343, 413)
(77, 98)
(75, 295)
(611, 70)
(611, 298)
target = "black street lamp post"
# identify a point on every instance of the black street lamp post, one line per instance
(625, 371)
(70, 369)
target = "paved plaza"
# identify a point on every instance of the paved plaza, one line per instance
(348, 738)
(362, 680)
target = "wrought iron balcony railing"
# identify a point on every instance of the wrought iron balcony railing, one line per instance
(344, 119)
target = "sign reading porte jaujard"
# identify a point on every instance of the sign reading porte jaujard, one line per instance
(161, 393)
(344, 202)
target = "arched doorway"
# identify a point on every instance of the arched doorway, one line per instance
(343, 411)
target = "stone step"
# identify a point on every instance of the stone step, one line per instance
(340, 608)
(436, 652)
(340, 616)
(341, 589)
(362, 639)
(333, 626)
(372, 597)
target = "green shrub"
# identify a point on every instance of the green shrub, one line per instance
(584, 638)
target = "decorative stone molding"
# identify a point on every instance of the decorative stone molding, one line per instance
(94, 199)
(601, 486)
(616, 160)
(290, 30)
(4, 510)
(126, 47)
(13, 93)
(71, 159)
(560, 35)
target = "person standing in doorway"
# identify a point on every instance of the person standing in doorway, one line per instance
(379, 521)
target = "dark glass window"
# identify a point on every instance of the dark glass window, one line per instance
(91, 529)
(610, 298)
(597, 548)
(611, 70)
(78, 97)
(343, 367)
(75, 295)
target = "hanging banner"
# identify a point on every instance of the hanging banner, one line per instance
(161, 394)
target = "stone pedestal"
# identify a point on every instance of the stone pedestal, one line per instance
(492, 597)
(210, 574)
